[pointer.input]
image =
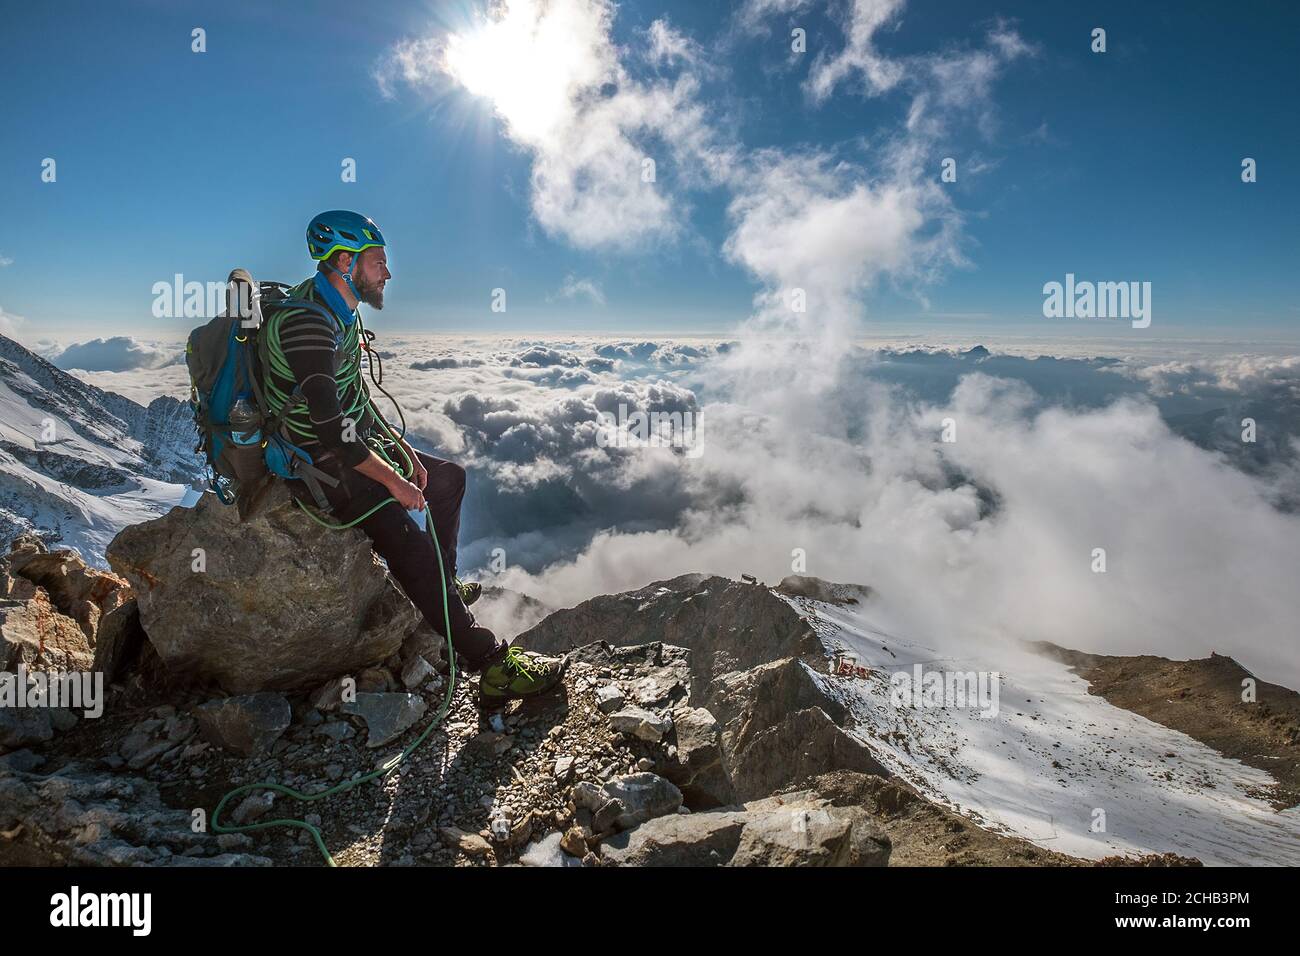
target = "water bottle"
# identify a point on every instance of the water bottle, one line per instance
(245, 448)
(245, 422)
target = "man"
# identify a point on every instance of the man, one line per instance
(317, 355)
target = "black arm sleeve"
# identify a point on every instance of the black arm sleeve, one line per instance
(307, 341)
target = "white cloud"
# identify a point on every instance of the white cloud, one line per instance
(10, 323)
(5, 261)
(859, 54)
(575, 286)
(118, 354)
(554, 77)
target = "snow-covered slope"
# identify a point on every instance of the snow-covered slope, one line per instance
(1055, 763)
(78, 463)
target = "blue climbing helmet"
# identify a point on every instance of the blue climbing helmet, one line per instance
(340, 230)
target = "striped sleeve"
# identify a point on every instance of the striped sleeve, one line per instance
(307, 341)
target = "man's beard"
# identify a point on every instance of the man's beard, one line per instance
(371, 295)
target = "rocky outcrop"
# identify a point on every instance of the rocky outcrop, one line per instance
(83, 593)
(727, 625)
(272, 602)
(761, 717)
(52, 607)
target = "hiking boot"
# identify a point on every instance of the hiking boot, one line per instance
(470, 591)
(518, 675)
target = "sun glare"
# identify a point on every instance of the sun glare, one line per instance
(525, 63)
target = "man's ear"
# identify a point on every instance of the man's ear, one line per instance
(346, 262)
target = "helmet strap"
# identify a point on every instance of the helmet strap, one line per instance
(346, 276)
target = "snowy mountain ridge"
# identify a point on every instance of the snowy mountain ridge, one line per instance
(78, 463)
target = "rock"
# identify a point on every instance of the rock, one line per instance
(696, 839)
(245, 725)
(574, 841)
(83, 593)
(644, 796)
(470, 844)
(252, 807)
(33, 633)
(329, 696)
(335, 730)
(24, 726)
(386, 715)
(62, 719)
(415, 672)
(798, 585)
(118, 641)
(587, 796)
(781, 726)
(375, 680)
(609, 698)
(547, 852)
(281, 603)
(24, 760)
(605, 820)
(79, 816)
(697, 766)
(769, 833)
(563, 769)
(812, 836)
(147, 755)
(640, 723)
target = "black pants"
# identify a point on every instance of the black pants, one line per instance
(409, 552)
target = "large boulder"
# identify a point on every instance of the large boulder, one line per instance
(272, 602)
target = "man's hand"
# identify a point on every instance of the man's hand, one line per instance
(421, 476)
(408, 496)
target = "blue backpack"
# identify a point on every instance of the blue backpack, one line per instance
(244, 447)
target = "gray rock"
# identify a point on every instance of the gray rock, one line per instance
(247, 724)
(609, 698)
(606, 818)
(24, 726)
(281, 603)
(62, 719)
(147, 755)
(640, 723)
(696, 839)
(335, 730)
(811, 836)
(588, 796)
(24, 760)
(386, 715)
(329, 696)
(252, 807)
(415, 672)
(644, 796)
(697, 763)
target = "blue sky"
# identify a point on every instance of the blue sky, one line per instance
(1118, 166)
